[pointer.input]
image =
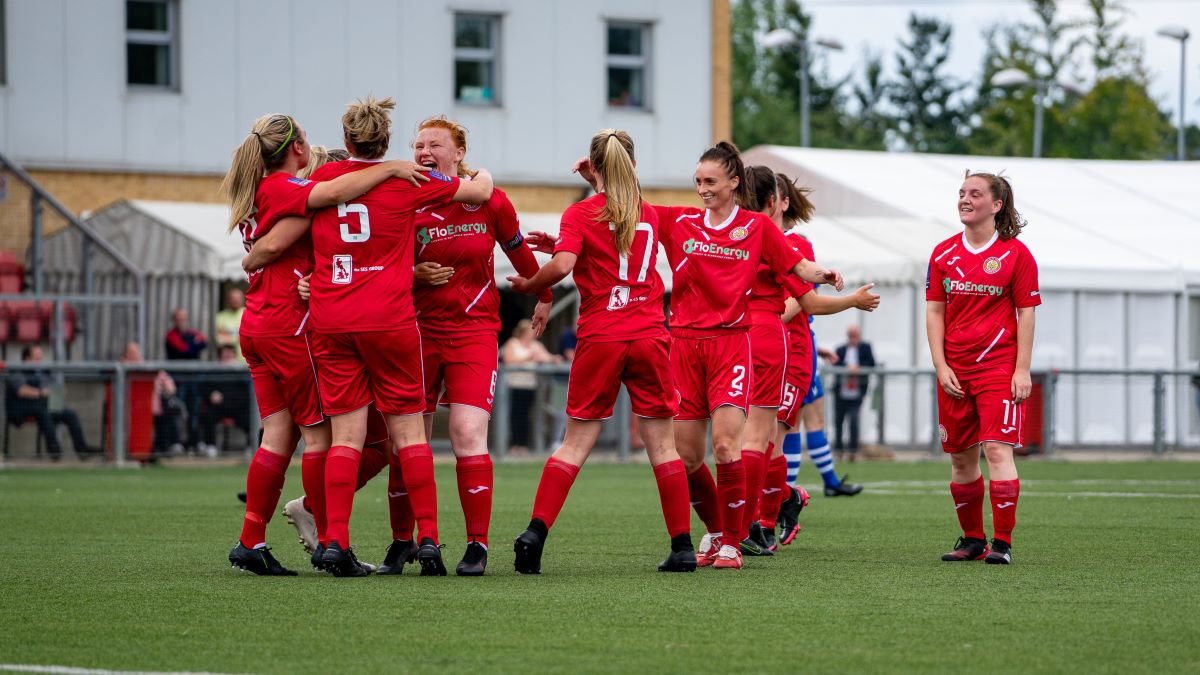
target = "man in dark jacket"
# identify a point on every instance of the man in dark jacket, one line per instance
(27, 395)
(185, 343)
(850, 390)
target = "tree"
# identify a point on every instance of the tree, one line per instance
(1113, 54)
(1117, 120)
(928, 117)
(868, 126)
(766, 89)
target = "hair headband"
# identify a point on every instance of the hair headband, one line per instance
(287, 139)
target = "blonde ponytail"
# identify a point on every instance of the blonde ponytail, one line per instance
(262, 149)
(611, 154)
(367, 125)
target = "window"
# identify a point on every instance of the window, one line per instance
(151, 47)
(629, 65)
(476, 59)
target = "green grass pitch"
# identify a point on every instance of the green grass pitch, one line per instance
(126, 570)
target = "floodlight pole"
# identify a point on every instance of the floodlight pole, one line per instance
(804, 104)
(1039, 99)
(1181, 34)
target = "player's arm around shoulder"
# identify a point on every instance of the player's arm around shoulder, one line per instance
(478, 190)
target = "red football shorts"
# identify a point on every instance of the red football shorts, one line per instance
(383, 367)
(464, 365)
(797, 379)
(769, 356)
(599, 369)
(284, 377)
(710, 373)
(985, 413)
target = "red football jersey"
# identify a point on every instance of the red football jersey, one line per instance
(715, 264)
(464, 236)
(363, 252)
(620, 297)
(982, 289)
(798, 287)
(273, 308)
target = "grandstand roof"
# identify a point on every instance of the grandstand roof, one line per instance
(1092, 224)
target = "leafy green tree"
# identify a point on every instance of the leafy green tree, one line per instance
(766, 88)
(1117, 120)
(928, 117)
(868, 125)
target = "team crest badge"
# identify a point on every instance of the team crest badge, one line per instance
(739, 233)
(471, 207)
(991, 265)
(942, 433)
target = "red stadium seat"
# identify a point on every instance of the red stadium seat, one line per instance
(28, 320)
(10, 281)
(7, 256)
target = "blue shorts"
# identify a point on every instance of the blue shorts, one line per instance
(815, 389)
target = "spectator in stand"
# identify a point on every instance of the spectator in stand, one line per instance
(850, 390)
(165, 407)
(566, 344)
(229, 320)
(185, 343)
(522, 349)
(27, 395)
(225, 399)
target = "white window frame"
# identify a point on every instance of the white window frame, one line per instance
(642, 62)
(168, 38)
(480, 55)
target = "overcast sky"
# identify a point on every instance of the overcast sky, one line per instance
(878, 24)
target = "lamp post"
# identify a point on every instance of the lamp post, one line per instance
(1015, 77)
(1179, 33)
(782, 37)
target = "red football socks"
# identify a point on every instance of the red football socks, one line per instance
(475, 479)
(754, 464)
(416, 462)
(341, 473)
(673, 494)
(312, 476)
(399, 507)
(264, 483)
(556, 481)
(374, 460)
(1004, 494)
(775, 489)
(702, 490)
(968, 506)
(731, 486)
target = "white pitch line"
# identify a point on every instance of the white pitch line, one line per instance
(1068, 495)
(69, 670)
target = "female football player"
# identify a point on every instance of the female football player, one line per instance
(980, 297)
(610, 242)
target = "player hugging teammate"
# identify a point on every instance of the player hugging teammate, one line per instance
(402, 314)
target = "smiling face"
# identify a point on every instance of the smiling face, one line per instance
(714, 186)
(975, 202)
(435, 148)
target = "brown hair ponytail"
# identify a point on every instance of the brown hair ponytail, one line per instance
(730, 158)
(262, 149)
(1009, 222)
(800, 208)
(611, 155)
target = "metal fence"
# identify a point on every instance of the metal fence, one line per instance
(1151, 410)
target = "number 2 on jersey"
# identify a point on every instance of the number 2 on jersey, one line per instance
(364, 223)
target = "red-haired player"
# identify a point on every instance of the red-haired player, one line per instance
(980, 290)
(366, 342)
(715, 253)
(458, 310)
(263, 189)
(610, 242)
